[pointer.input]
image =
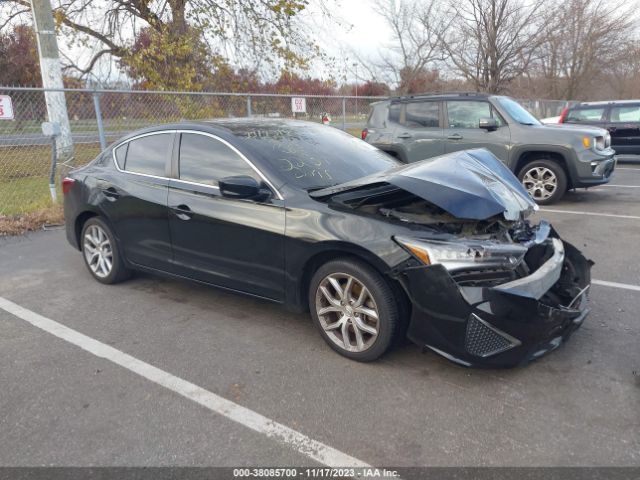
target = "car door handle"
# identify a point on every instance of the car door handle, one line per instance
(455, 136)
(405, 135)
(111, 193)
(183, 212)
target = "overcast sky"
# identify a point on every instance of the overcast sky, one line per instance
(358, 28)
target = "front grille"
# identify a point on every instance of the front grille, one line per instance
(484, 340)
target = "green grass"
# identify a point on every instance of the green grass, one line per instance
(25, 195)
(24, 176)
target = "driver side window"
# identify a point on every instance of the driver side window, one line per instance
(203, 159)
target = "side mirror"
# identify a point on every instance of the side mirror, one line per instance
(488, 124)
(242, 186)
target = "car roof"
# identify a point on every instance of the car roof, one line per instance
(442, 95)
(605, 103)
(225, 126)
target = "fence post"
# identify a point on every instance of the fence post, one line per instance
(96, 106)
(249, 106)
(344, 113)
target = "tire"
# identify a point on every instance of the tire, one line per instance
(539, 176)
(99, 249)
(369, 296)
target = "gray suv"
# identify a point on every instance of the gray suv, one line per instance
(548, 159)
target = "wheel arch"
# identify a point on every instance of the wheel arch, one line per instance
(526, 156)
(334, 250)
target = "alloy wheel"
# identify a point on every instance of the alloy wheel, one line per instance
(347, 312)
(540, 182)
(98, 251)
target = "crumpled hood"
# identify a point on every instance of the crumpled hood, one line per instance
(470, 184)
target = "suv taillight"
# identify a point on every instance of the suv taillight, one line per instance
(67, 185)
(563, 114)
(364, 134)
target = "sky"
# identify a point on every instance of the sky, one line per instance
(359, 29)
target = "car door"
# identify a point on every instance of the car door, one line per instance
(462, 129)
(233, 243)
(624, 127)
(421, 131)
(133, 198)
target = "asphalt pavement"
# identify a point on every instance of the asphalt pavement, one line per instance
(65, 399)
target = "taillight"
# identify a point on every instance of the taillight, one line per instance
(364, 134)
(67, 185)
(563, 114)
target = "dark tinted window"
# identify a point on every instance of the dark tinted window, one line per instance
(467, 114)
(591, 114)
(423, 114)
(627, 113)
(308, 155)
(394, 112)
(206, 160)
(148, 154)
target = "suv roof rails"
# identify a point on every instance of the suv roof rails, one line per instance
(441, 94)
(608, 102)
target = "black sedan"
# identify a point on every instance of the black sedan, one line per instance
(305, 215)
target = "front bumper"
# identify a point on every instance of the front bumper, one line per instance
(502, 325)
(597, 171)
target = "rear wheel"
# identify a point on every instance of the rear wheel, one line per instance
(354, 308)
(101, 253)
(545, 180)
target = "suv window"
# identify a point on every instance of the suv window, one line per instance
(394, 112)
(423, 115)
(628, 113)
(377, 116)
(591, 114)
(467, 114)
(206, 160)
(148, 154)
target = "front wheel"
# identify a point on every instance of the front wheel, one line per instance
(545, 180)
(354, 308)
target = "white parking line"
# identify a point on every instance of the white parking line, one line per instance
(628, 168)
(595, 214)
(619, 186)
(624, 286)
(301, 443)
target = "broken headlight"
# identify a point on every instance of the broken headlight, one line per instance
(464, 254)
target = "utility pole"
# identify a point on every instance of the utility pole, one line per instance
(356, 67)
(52, 75)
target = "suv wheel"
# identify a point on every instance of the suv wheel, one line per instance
(354, 308)
(545, 180)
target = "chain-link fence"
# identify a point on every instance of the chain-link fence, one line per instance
(99, 117)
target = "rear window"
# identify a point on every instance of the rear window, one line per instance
(423, 115)
(394, 112)
(629, 113)
(148, 154)
(377, 116)
(591, 114)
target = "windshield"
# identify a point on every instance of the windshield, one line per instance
(517, 111)
(311, 156)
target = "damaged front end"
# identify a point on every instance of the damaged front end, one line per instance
(487, 288)
(502, 315)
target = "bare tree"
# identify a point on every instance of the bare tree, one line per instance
(491, 42)
(622, 76)
(583, 39)
(418, 28)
